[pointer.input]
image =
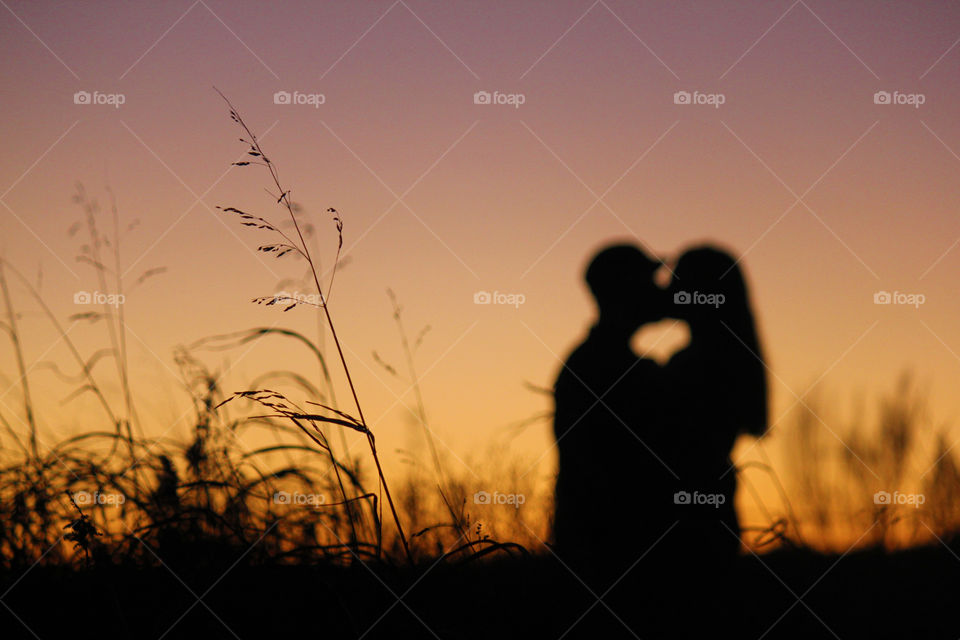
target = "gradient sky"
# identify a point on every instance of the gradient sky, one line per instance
(828, 196)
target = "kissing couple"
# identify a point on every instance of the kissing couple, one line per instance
(644, 448)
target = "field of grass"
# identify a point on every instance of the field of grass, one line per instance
(111, 533)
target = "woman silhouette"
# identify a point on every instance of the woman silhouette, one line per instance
(718, 390)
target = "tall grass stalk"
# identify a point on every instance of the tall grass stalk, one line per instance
(442, 484)
(14, 334)
(91, 255)
(85, 365)
(122, 359)
(284, 198)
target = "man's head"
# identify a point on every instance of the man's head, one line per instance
(621, 280)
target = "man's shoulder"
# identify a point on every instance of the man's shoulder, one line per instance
(586, 363)
(573, 366)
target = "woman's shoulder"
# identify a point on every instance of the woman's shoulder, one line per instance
(690, 367)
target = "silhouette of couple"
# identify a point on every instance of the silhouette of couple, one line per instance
(644, 449)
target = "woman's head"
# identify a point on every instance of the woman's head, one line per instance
(708, 289)
(709, 292)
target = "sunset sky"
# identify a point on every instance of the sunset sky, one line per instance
(829, 193)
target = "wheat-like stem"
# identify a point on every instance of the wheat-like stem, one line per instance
(284, 198)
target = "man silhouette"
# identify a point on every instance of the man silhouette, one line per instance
(606, 400)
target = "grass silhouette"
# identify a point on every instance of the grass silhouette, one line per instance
(109, 511)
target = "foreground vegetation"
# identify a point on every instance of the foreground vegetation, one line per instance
(302, 524)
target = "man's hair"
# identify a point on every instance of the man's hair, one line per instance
(614, 266)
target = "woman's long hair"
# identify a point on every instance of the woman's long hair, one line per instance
(729, 323)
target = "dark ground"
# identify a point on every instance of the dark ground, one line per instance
(911, 594)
